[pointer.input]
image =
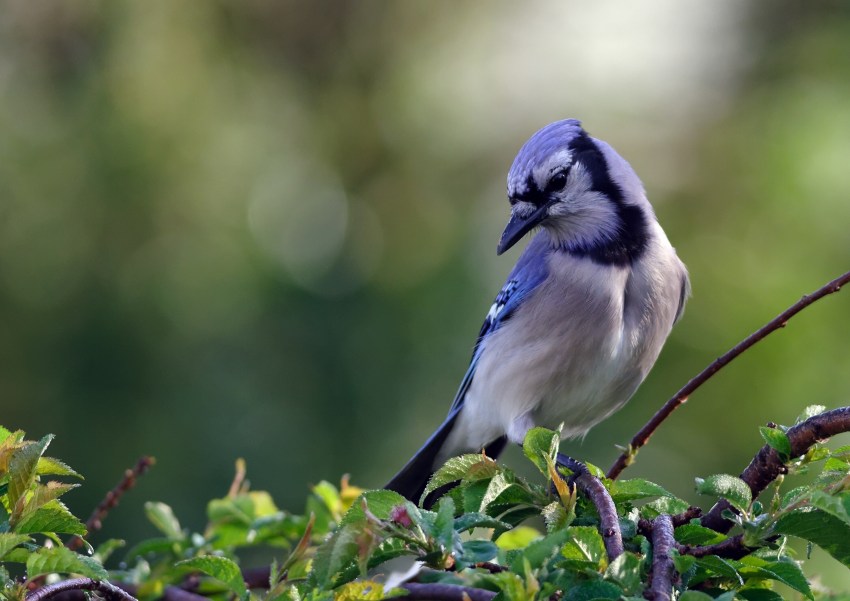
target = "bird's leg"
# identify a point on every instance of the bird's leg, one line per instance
(593, 489)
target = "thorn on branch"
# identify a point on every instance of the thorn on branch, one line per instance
(678, 399)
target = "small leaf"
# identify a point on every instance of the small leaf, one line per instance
(826, 531)
(541, 550)
(540, 443)
(63, 561)
(52, 517)
(444, 531)
(22, 468)
(776, 439)
(43, 494)
(9, 541)
(786, 572)
(458, 468)
(694, 534)
(695, 596)
(668, 505)
(48, 466)
(474, 551)
(683, 563)
(518, 538)
(220, 568)
(729, 487)
(468, 521)
(636, 488)
(759, 594)
(625, 571)
(585, 545)
(163, 518)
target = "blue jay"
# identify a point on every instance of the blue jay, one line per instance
(583, 315)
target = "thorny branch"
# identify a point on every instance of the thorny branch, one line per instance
(609, 523)
(678, 399)
(767, 464)
(661, 579)
(95, 521)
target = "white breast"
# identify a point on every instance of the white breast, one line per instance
(576, 350)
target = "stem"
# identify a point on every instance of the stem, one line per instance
(109, 591)
(661, 580)
(731, 548)
(443, 592)
(609, 523)
(678, 399)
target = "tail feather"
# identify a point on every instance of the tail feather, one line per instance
(411, 480)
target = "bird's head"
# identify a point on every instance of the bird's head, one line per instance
(580, 191)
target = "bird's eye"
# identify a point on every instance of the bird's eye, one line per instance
(558, 181)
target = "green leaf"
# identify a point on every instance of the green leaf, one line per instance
(472, 467)
(339, 551)
(502, 492)
(694, 534)
(625, 571)
(668, 505)
(518, 538)
(444, 531)
(22, 468)
(683, 563)
(539, 551)
(823, 529)
(717, 566)
(63, 561)
(759, 594)
(729, 487)
(786, 572)
(163, 518)
(51, 517)
(43, 494)
(540, 443)
(468, 521)
(555, 516)
(594, 589)
(636, 488)
(4, 434)
(695, 596)
(9, 541)
(474, 551)
(48, 466)
(220, 568)
(107, 548)
(776, 439)
(585, 546)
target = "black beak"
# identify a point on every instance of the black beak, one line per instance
(518, 227)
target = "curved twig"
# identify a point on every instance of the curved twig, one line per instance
(95, 521)
(443, 592)
(110, 591)
(731, 548)
(661, 579)
(767, 464)
(609, 523)
(678, 399)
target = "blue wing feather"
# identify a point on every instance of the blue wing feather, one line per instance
(526, 276)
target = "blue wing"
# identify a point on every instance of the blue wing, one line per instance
(526, 276)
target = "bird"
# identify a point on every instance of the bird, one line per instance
(582, 316)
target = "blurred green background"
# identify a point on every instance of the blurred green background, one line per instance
(268, 229)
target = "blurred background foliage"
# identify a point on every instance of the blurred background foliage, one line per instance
(267, 229)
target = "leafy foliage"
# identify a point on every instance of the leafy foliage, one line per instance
(494, 530)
